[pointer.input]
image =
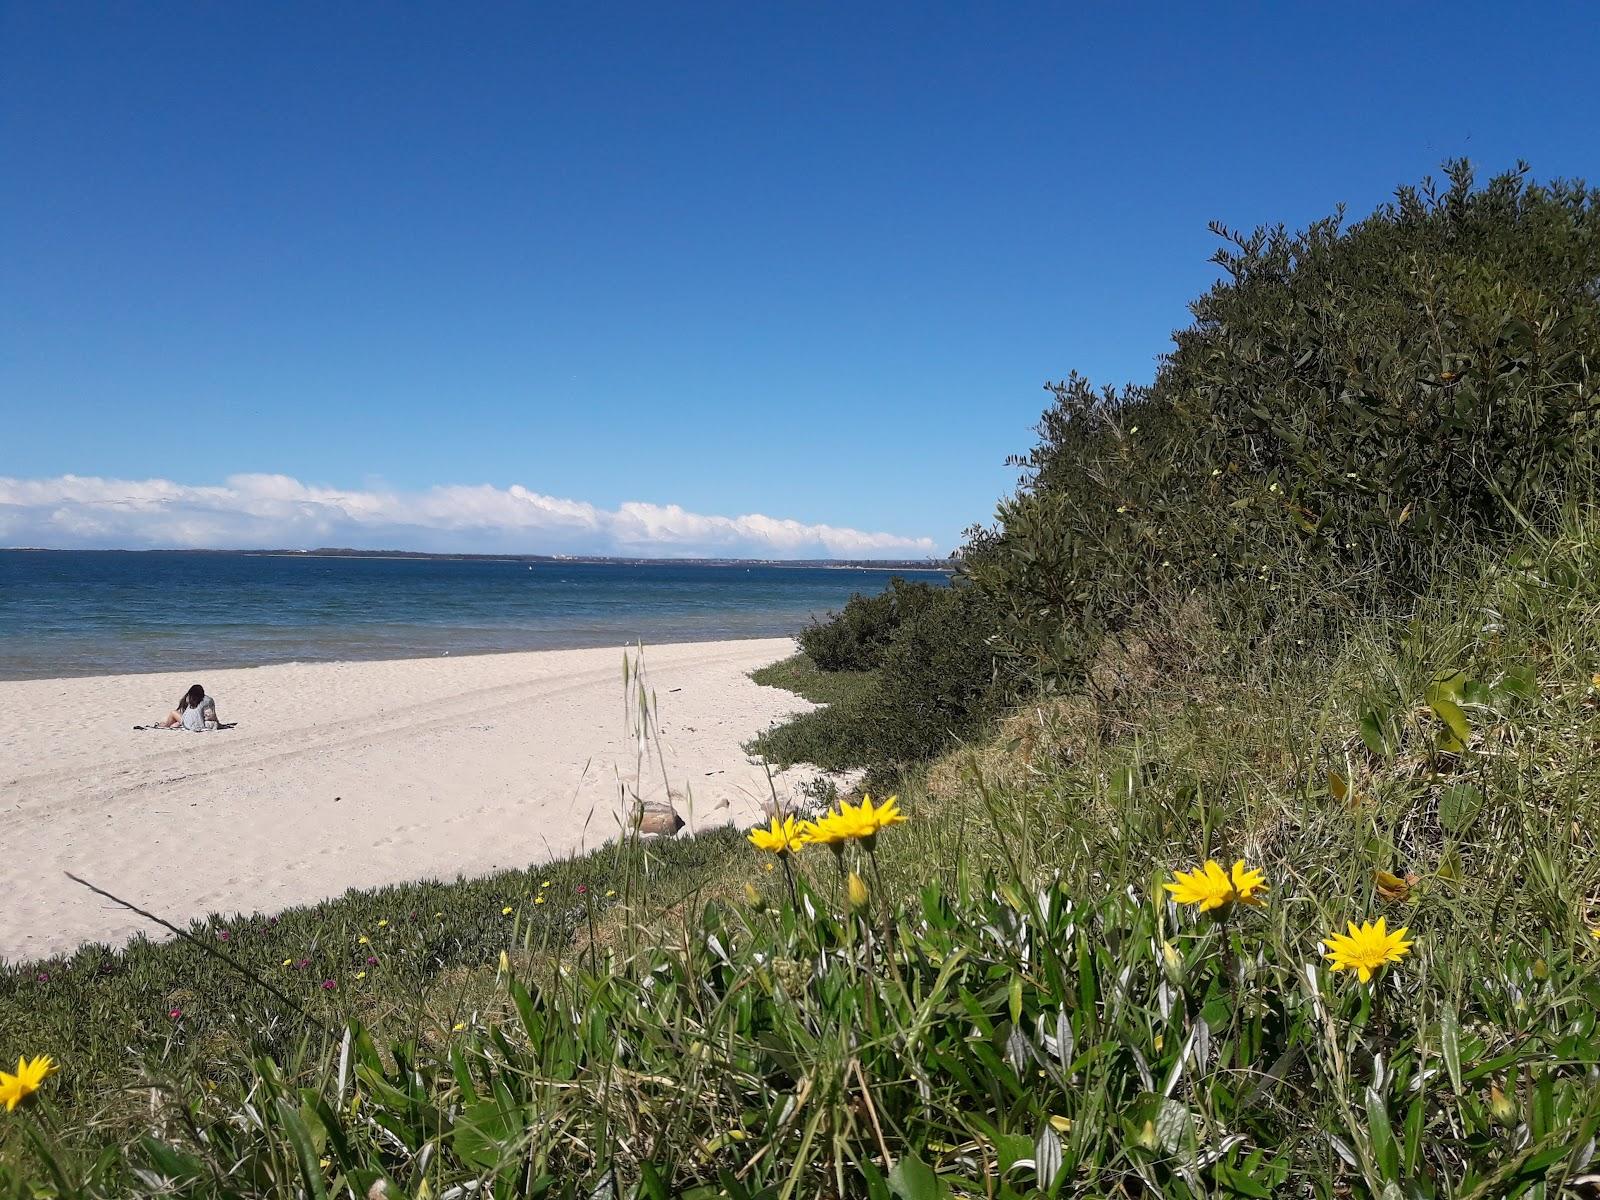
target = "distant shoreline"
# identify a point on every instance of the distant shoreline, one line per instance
(848, 564)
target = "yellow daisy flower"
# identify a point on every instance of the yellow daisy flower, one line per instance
(1247, 881)
(31, 1074)
(874, 820)
(787, 836)
(1208, 886)
(1365, 948)
(854, 822)
(832, 831)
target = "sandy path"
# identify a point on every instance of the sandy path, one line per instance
(344, 775)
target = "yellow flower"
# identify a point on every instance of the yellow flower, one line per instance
(874, 820)
(506, 911)
(611, 892)
(1247, 882)
(830, 831)
(854, 822)
(1207, 886)
(545, 884)
(782, 837)
(538, 899)
(383, 923)
(14, 1089)
(287, 961)
(458, 1027)
(1365, 948)
(361, 974)
(363, 940)
(857, 888)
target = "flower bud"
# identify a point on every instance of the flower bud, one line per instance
(1501, 1106)
(857, 889)
(1172, 962)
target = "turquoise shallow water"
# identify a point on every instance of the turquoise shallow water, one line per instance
(105, 612)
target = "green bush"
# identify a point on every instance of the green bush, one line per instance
(856, 638)
(940, 679)
(1350, 409)
(936, 679)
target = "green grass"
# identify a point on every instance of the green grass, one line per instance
(800, 675)
(399, 959)
(833, 737)
(1019, 1012)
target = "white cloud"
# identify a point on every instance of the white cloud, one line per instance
(278, 511)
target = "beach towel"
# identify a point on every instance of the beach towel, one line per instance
(181, 729)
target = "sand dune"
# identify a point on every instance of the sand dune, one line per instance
(345, 775)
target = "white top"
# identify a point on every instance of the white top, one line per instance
(197, 716)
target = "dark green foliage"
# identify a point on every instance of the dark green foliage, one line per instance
(1351, 408)
(855, 639)
(937, 680)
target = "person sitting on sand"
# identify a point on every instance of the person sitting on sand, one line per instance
(197, 712)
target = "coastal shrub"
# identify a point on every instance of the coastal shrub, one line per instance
(1352, 406)
(855, 638)
(939, 680)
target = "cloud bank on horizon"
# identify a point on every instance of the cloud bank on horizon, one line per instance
(280, 512)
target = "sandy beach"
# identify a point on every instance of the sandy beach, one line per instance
(351, 775)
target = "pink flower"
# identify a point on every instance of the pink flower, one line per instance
(43, 976)
(304, 962)
(372, 960)
(175, 1013)
(222, 935)
(328, 985)
(582, 888)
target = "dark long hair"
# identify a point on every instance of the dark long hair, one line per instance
(191, 698)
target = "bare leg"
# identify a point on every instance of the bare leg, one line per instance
(172, 722)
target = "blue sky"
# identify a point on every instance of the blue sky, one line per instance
(325, 270)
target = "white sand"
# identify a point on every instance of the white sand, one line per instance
(350, 775)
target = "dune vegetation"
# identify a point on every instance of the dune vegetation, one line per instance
(1243, 842)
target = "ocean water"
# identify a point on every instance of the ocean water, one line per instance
(107, 612)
